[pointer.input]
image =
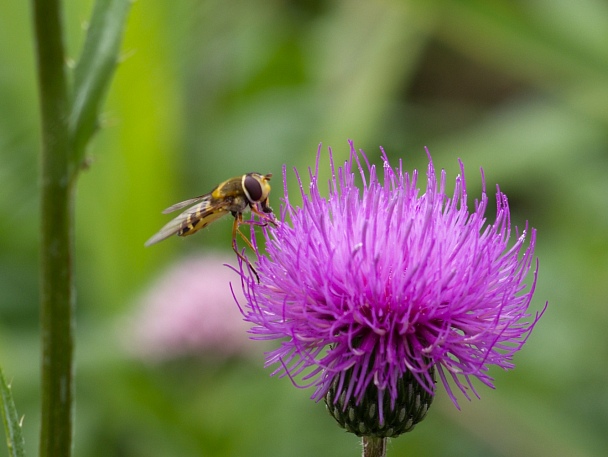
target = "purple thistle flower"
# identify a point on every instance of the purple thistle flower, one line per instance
(374, 285)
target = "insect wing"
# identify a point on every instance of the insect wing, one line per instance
(191, 220)
(185, 203)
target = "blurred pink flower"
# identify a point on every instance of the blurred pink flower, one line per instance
(189, 311)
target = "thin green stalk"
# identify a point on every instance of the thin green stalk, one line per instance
(57, 296)
(374, 447)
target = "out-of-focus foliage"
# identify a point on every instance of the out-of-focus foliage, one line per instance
(208, 90)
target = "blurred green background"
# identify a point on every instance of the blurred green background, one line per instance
(211, 89)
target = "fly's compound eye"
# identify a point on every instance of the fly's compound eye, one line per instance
(253, 188)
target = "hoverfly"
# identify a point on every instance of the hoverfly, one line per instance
(233, 196)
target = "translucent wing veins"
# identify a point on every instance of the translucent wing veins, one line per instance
(185, 203)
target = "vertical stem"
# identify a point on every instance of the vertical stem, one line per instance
(374, 447)
(57, 297)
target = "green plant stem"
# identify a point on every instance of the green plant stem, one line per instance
(57, 295)
(374, 447)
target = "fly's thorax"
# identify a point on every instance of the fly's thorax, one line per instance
(238, 204)
(232, 187)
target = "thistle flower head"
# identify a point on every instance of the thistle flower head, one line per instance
(378, 283)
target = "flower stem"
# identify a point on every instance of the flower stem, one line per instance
(373, 447)
(57, 196)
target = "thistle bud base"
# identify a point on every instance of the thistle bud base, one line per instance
(363, 419)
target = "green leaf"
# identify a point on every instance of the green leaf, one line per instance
(94, 70)
(12, 424)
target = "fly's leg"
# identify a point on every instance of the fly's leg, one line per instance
(265, 217)
(238, 220)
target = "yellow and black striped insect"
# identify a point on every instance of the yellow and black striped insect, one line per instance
(233, 196)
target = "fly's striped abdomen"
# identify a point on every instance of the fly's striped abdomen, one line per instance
(199, 220)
